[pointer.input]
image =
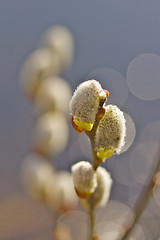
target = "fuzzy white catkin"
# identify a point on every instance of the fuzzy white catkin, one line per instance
(85, 101)
(101, 194)
(61, 42)
(54, 93)
(51, 134)
(35, 174)
(60, 192)
(111, 130)
(84, 178)
(38, 65)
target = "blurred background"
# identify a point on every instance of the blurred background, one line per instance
(116, 43)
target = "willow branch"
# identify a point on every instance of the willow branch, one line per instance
(143, 200)
(92, 134)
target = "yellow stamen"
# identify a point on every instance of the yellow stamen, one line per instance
(85, 125)
(83, 194)
(78, 129)
(105, 153)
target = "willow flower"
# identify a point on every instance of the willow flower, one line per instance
(101, 194)
(110, 133)
(85, 103)
(84, 179)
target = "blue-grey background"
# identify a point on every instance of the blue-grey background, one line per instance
(108, 33)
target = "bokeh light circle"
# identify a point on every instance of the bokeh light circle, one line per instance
(137, 233)
(143, 160)
(117, 213)
(114, 82)
(109, 230)
(151, 132)
(121, 170)
(134, 193)
(143, 76)
(77, 224)
(150, 225)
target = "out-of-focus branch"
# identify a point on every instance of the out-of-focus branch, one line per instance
(143, 200)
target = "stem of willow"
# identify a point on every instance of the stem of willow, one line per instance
(92, 219)
(95, 164)
(91, 135)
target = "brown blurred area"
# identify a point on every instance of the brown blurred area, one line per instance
(20, 218)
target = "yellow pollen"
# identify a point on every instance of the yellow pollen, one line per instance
(85, 125)
(105, 153)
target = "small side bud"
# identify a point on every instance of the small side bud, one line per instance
(104, 94)
(84, 179)
(102, 192)
(110, 133)
(85, 103)
(101, 113)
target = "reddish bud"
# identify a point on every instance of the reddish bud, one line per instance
(101, 113)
